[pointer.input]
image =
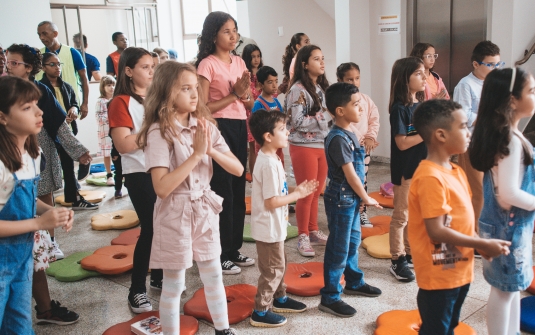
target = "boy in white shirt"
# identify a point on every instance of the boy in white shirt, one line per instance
(269, 218)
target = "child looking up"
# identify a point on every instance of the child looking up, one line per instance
(269, 218)
(406, 151)
(297, 41)
(107, 87)
(343, 195)
(441, 220)
(368, 126)
(434, 87)
(499, 149)
(180, 141)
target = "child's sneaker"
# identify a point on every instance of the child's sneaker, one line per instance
(288, 306)
(267, 319)
(364, 221)
(56, 315)
(338, 308)
(409, 261)
(109, 180)
(365, 290)
(56, 251)
(228, 331)
(303, 246)
(229, 268)
(83, 171)
(242, 260)
(401, 271)
(139, 302)
(156, 285)
(82, 205)
(317, 237)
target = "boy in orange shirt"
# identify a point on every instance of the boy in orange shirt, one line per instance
(441, 219)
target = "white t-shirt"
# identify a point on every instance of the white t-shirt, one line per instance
(468, 93)
(269, 180)
(26, 172)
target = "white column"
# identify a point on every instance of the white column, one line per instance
(342, 28)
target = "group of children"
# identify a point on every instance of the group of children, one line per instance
(181, 133)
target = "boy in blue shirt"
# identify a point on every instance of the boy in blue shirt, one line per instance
(343, 195)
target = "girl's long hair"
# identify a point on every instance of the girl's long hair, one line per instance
(419, 49)
(492, 131)
(399, 83)
(213, 22)
(160, 99)
(289, 53)
(124, 86)
(301, 74)
(247, 56)
(15, 90)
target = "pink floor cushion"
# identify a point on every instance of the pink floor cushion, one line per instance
(381, 225)
(110, 260)
(188, 325)
(408, 323)
(127, 238)
(305, 279)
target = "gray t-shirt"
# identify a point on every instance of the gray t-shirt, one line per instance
(339, 153)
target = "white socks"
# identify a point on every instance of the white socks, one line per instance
(503, 312)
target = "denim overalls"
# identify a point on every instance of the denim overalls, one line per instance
(16, 261)
(513, 272)
(342, 209)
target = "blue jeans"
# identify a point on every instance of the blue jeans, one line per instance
(440, 309)
(341, 252)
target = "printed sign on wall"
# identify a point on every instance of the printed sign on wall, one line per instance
(389, 24)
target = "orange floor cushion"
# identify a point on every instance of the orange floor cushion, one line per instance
(122, 219)
(248, 205)
(385, 202)
(240, 301)
(531, 287)
(127, 238)
(305, 279)
(408, 323)
(249, 177)
(91, 196)
(188, 325)
(381, 225)
(110, 260)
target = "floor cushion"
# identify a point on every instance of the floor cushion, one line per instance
(110, 260)
(91, 196)
(97, 181)
(377, 246)
(248, 205)
(408, 323)
(127, 238)
(305, 279)
(122, 219)
(531, 287)
(291, 232)
(383, 201)
(381, 225)
(188, 325)
(527, 314)
(69, 268)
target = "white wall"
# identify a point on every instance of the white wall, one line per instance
(19, 21)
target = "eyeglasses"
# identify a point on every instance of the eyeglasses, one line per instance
(429, 56)
(492, 65)
(14, 63)
(52, 64)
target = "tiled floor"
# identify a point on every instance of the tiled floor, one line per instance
(101, 301)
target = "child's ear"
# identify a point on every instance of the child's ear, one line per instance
(128, 71)
(267, 137)
(3, 118)
(440, 135)
(475, 64)
(339, 111)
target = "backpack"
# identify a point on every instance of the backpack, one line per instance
(387, 190)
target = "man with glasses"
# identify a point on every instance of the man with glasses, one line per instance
(485, 58)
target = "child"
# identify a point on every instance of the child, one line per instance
(441, 220)
(226, 86)
(162, 54)
(20, 164)
(112, 61)
(298, 41)
(485, 58)
(107, 86)
(434, 87)
(309, 124)
(252, 57)
(269, 218)
(125, 115)
(367, 128)
(406, 151)
(180, 142)
(343, 195)
(499, 149)
(155, 58)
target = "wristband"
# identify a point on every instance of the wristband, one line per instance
(236, 94)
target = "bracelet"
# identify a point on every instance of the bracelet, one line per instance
(236, 94)
(245, 100)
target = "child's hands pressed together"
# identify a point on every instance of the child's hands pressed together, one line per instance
(242, 84)
(200, 138)
(369, 201)
(56, 217)
(306, 188)
(494, 248)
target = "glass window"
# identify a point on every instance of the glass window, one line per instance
(227, 6)
(194, 13)
(190, 49)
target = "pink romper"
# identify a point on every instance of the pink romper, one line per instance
(186, 222)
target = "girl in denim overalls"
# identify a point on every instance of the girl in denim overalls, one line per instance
(20, 121)
(500, 150)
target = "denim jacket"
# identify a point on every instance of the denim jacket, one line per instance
(513, 272)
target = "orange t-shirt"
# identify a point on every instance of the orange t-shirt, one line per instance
(436, 191)
(432, 84)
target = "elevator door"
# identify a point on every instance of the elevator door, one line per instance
(454, 27)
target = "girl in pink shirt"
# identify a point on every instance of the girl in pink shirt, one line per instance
(180, 141)
(434, 87)
(225, 83)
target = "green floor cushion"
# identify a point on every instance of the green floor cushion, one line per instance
(290, 233)
(69, 269)
(97, 181)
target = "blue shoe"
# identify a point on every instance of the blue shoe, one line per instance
(289, 306)
(268, 320)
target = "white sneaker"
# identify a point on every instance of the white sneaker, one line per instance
(56, 251)
(110, 181)
(317, 237)
(303, 246)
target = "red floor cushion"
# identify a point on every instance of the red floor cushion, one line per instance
(127, 238)
(408, 323)
(305, 279)
(248, 205)
(531, 287)
(381, 225)
(383, 201)
(110, 260)
(240, 302)
(188, 325)
(249, 177)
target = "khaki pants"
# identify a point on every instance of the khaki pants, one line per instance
(399, 241)
(272, 266)
(475, 180)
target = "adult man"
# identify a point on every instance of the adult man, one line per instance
(93, 65)
(73, 69)
(242, 42)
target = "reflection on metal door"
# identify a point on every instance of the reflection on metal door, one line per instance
(454, 27)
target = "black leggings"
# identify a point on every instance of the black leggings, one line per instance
(116, 159)
(70, 190)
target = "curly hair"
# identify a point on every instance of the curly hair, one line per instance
(289, 53)
(419, 49)
(248, 57)
(213, 22)
(30, 55)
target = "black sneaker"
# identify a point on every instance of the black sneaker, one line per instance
(83, 171)
(228, 331)
(365, 290)
(139, 303)
(477, 254)
(269, 320)
(409, 261)
(338, 308)
(229, 268)
(56, 315)
(289, 306)
(82, 205)
(401, 271)
(364, 221)
(242, 260)
(156, 285)
(291, 208)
